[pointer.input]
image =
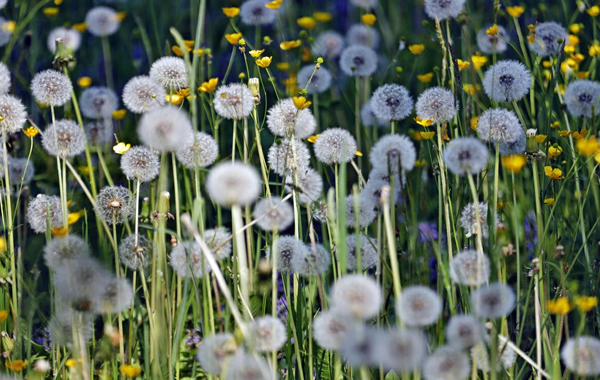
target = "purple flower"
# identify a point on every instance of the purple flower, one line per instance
(428, 231)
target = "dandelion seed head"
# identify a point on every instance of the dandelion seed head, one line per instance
(287, 156)
(391, 102)
(357, 60)
(357, 295)
(102, 21)
(113, 296)
(468, 219)
(583, 98)
(135, 255)
(331, 327)
(233, 183)
(284, 119)
(199, 150)
(507, 81)
(20, 171)
(234, 101)
(216, 351)
(51, 87)
(361, 345)
(70, 38)
(319, 82)
(217, 241)
(287, 247)
(170, 72)
(436, 104)
(99, 132)
(254, 12)
(335, 146)
(5, 80)
(313, 261)
(402, 350)
(392, 153)
(40, 208)
(272, 214)
(359, 34)
(419, 306)
(581, 355)
(13, 114)
(187, 260)
(98, 102)
(63, 322)
(309, 186)
(247, 367)
(447, 363)
(164, 129)
(465, 155)
(470, 268)
(64, 138)
(368, 117)
(464, 331)
(374, 188)
(114, 204)
(366, 212)
(368, 252)
(443, 9)
(62, 249)
(77, 281)
(142, 94)
(499, 125)
(517, 147)
(328, 44)
(268, 334)
(547, 37)
(493, 301)
(488, 43)
(506, 356)
(365, 4)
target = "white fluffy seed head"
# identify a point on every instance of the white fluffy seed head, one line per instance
(267, 334)
(164, 129)
(444, 9)
(366, 211)
(361, 346)
(142, 94)
(331, 327)
(216, 351)
(287, 247)
(402, 350)
(284, 119)
(233, 183)
(42, 208)
(357, 295)
(60, 250)
(234, 101)
(70, 38)
(308, 187)
(493, 301)
(51, 87)
(135, 253)
(470, 268)
(583, 98)
(140, 163)
(464, 331)
(328, 44)
(368, 252)
(98, 102)
(368, 117)
(64, 138)
(12, 114)
(436, 104)
(248, 367)
(365, 4)
(5, 81)
(20, 171)
(391, 102)
(358, 61)
(465, 155)
(313, 261)
(507, 81)
(113, 296)
(506, 356)
(62, 324)
(393, 154)
(102, 21)
(254, 12)
(272, 214)
(549, 39)
(288, 156)
(447, 363)
(517, 147)
(199, 150)
(581, 355)
(335, 146)
(499, 125)
(468, 219)
(488, 43)
(187, 260)
(359, 34)
(419, 306)
(99, 132)
(218, 241)
(114, 204)
(320, 81)
(170, 72)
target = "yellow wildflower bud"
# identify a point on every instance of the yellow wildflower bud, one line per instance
(416, 49)
(3, 315)
(283, 66)
(594, 11)
(119, 114)
(368, 19)
(580, 134)
(51, 11)
(306, 22)
(549, 202)
(575, 28)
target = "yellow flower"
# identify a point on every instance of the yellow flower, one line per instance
(416, 49)
(569, 49)
(515, 11)
(2, 246)
(72, 362)
(474, 121)
(582, 74)
(119, 114)
(368, 19)
(572, 40)
(426, 135)
(60, 231)
(31, 131)
(549, 202)
(578, 58)
(560, 306)
(322, 16)
(175, 99)
(231, 12)
(588, 147)
(306, 22)
(313, 138)
(189, 44)
(209, 86)
(478, 61)
(177, 50)
(264, 61)
(532, 28)
(287, 45)
(470, 89)
(51, 11)
(358, 153)
(300, 102)
(420, 163)
(425, 78)
(84, 82)
(283, 66)
(3, 315)
(74, 217)
(423, 122)
(121, 148)
(80, 27)
(274, 4)
(256, 53)
(547, 64)
(121, 16)
(514, 163)
(540, 138)
(586, 303)
(492, 30)
(58, 2)
(554, 174)
(130, 370)
(9, 26)
(564, 133)
(462, 64)
(554, 151)
(555, 124)
(575, 28)
(594, 11)
(233, 38)
(594, 50)
(580, 134)
(16, 365)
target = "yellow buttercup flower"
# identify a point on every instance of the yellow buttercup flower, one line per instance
(51, 11)
(313, 138)
(427, 135)
(121, 148)
(3, 315)
(177, 50)
(564, 133)
(300, 102)
(462, 64)
(175, 99)
(231, 11)
(58, 2)
(119, 114)
(31, 131)
(474, 123)
(515, 11)
(264, 61)
(514, 163)
(555, 124)
(189, 44)
(358, 153)
(121, 16)
(256, 53)
(306, 22)
(549, 202)
(553, 173)
(416, 49)
(582, 74)
(209, 86)
(575, 28)
(572, 40)
(423, 122)
(9, 26)
(470, 89)
(84, 82)
(80, 27)
(594, 11)
(425, 78)
(594, 50)
(60, 231)
(129, 370)
(586, 303)
(16, 365)
(588, 147)
(478, 61)
(283, 66)
(287, 45)
(560, 306)
(233, 38)
(492, 30)
(2, 246)
(274, 4)
(368, 19)
(540, 138)
(580, 134)
(322, 16)
(569, 49)
(554, 151)
(72, 362)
